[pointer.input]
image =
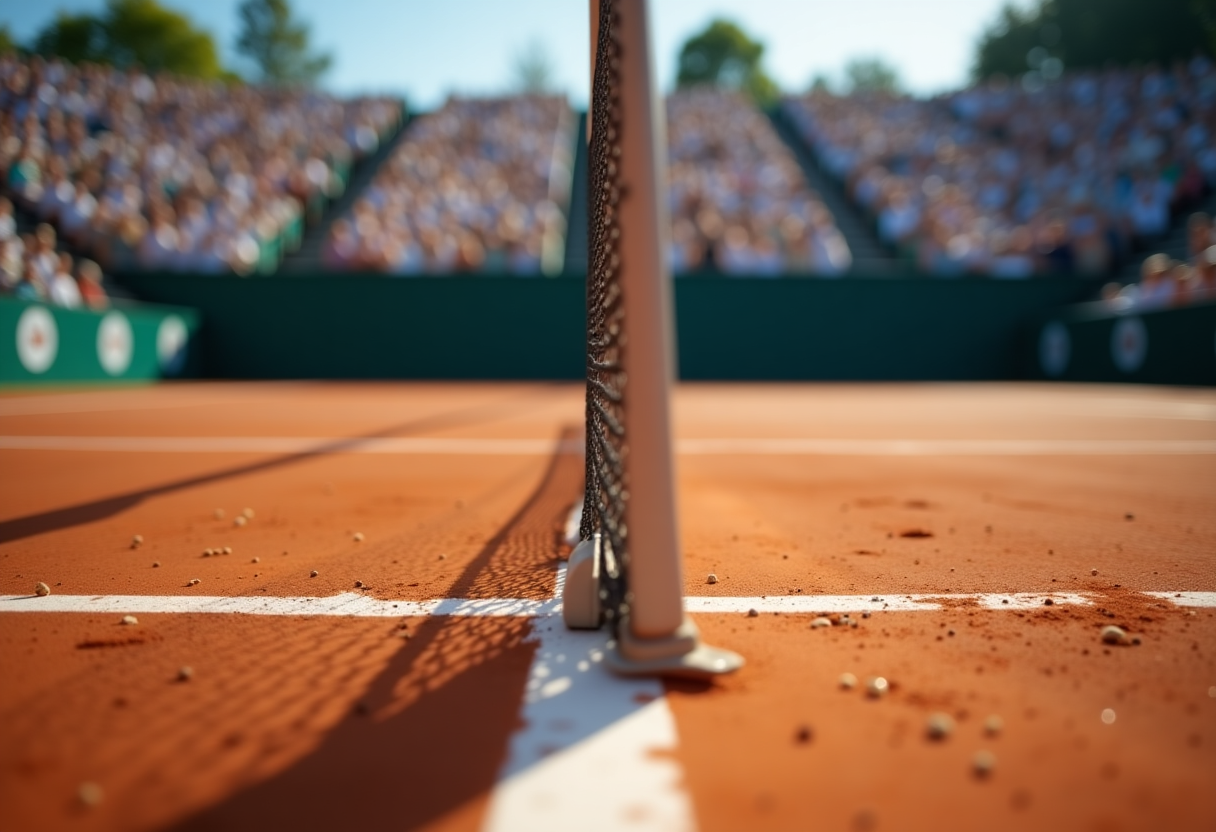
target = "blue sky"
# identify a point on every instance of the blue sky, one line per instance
(425, 49)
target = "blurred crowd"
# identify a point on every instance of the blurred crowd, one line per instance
(1012, 179)
(32, 267)
(1165, 282)
(739, 202)
(158, 172)
(479, 185)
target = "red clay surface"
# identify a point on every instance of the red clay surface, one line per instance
(326, 722)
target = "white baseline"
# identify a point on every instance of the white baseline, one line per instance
(354, 605)
(546, 447)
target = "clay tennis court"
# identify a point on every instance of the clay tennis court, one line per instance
(979, 536)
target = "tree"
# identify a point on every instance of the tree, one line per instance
(870, 75)
(7, 44)
(724, 56)
(533, 70)
(133, 33)
(1090, 34)
(278, 44)
(821, 83)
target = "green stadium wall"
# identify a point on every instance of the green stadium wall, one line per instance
(1092, 342)
(42, 344)
(486, 327)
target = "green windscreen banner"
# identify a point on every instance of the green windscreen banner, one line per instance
(44, 344)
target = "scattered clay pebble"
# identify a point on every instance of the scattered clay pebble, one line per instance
(359, 584)
(207, 553)
(90, 794)
(847, 681)
(1093, 571)
(712, 579)
(137, 541)
(256, 560)
(865, 615)
(42, 590)
(313, 573)
(443, 557)
(358, 537)
(185, 674)
(1129, 516)
(1113, 635)
(877, 687)
(247, 514)
(219, 514)
(1048, 602)
(129, 620)
(240, 521)
(983, 763)
(993, 725)
(1108, 716)
(804, 734)
(753, 613)
(192, 582)
(227, 550)
(820, 622)
(939, 726)
(156, 564)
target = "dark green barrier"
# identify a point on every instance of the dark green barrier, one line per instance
(851, 328)
(358, 326)
(45, 344)
(362, 326)
(1091, 342)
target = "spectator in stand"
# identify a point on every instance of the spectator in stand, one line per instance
(30, 287)
(8, 223)
(10, 264)
(61, 288)
(1090, 166)
(737, 198)
(88, 281)
(42, 255)
(478, 185)
(115, 157)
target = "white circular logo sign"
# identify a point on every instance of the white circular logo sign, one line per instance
(114, 343)
(37, 339)
(1129, 344)
(171, 337)
(1055, 348)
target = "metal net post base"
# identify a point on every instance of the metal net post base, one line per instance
(581, 605)
(680, 655)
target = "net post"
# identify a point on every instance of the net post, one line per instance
(630, 505)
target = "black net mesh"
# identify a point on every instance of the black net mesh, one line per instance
(607, 488)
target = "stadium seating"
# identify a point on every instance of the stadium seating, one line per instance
(1010, 180)
(171, 174)
(479, 185)
(738, 201)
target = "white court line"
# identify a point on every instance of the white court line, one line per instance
(354, 605)
(545, 447)
(290, 445)
(582, 725)
(944, 447)
(1186, 599)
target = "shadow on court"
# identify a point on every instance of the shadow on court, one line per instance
(424, 739)
(81, 513)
